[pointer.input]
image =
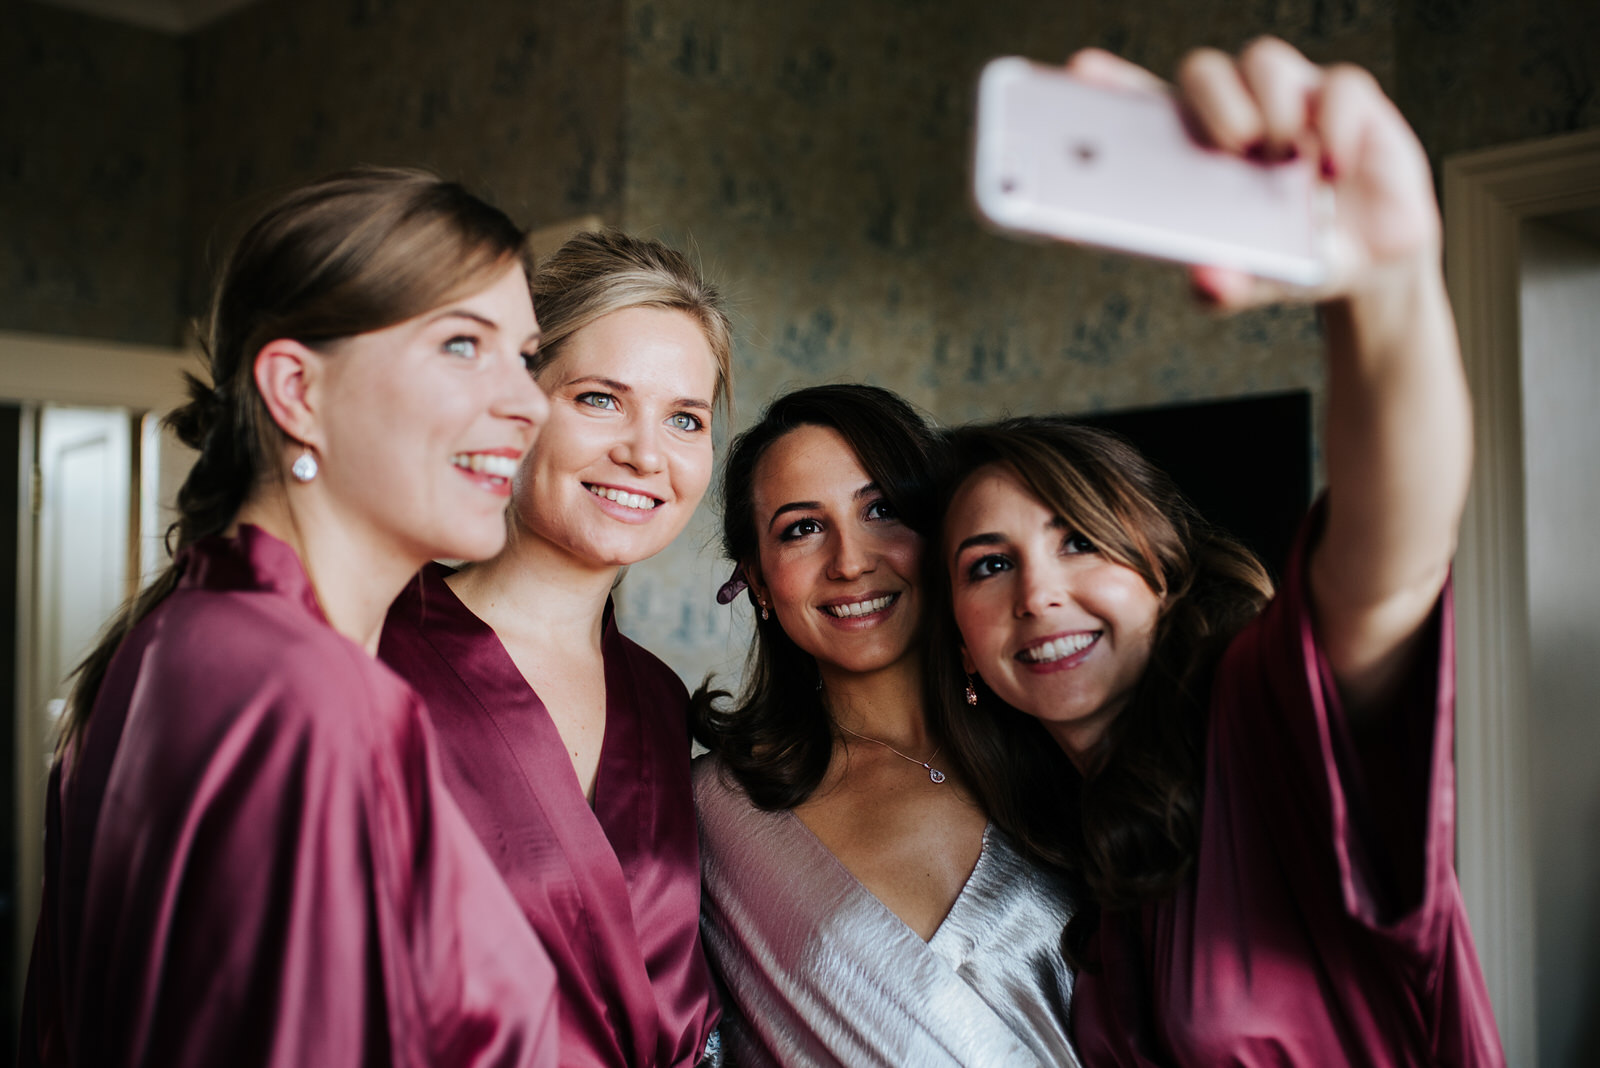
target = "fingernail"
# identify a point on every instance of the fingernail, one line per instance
(1329, 171)
(1257, 150)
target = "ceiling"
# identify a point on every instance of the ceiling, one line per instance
(167, 16)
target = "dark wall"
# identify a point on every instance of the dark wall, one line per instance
(522, 101)
(91, 177)
(1478, 73)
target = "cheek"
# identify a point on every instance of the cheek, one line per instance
(692, 475)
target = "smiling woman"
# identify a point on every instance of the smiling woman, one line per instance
(251, 855)
(859, 907)
(565, 742)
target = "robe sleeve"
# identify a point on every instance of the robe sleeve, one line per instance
(306, 905)
(1372, 812)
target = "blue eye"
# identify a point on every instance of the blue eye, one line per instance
(685, 421)
(800, 528)
(988, 566)
(603, 401)
(464, 347)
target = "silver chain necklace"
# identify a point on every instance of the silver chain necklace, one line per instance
(933, 773)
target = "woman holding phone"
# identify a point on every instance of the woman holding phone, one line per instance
(565, 743)
(1253, 794)
(251, 858)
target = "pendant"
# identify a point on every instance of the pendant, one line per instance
(936, 775)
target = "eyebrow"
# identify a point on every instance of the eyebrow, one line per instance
(622, 387)
(1056, 523)
(805, 506)
(482, 320)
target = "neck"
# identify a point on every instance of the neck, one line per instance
(355, 573)
(884, 705)
(535, 590)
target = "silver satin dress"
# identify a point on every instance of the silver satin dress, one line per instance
(819, 972)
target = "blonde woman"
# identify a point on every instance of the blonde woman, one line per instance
(565, 743)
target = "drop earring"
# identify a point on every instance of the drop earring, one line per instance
(762, 601)
(972, 693)
(304, 468)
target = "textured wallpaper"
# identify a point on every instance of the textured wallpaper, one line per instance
(91, 177)
(522, 101)
(816, 155)
(812, 155)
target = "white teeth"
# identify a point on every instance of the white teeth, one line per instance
(1058, 649)
(859, 608)
(622, 497)
(483, 463)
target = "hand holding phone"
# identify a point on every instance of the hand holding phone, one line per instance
(1060, 157)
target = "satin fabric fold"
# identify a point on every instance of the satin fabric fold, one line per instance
(252, 859)
(613, 892)
(819, 972)
(1324, 923)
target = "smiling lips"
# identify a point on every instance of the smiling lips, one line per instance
(1057, 649)
(640, 501)
(492, 471)
(857, 609)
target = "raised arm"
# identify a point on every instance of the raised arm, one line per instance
(1398, 445)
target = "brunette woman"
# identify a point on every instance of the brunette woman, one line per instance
(251, 857)
(860, 908)
(1255, 798)
(565, 743)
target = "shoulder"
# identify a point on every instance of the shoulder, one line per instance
(263, 660)
(650, 673)
(714, 788)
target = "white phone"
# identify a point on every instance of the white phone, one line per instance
(1057, 157)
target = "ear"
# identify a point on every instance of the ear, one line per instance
(286, 374)
(966, 661)
(756, 581)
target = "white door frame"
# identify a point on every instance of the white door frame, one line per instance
(37, 369)
(1487, 197)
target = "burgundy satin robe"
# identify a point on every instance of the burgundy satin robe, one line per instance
(613, 892)
(251, 859)
(1324, 924)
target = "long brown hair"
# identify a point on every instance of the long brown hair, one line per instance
(1128, 830)
(776, 738)
(352, 253)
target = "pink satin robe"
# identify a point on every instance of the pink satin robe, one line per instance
(252, 859)
(613, 892)
(1324, 924)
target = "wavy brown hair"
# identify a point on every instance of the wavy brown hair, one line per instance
(776, 738)
(1126, 831)
(355, 252)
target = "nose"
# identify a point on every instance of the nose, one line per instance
(520, 399)
(1038, 590)
(639, 448)
(851, 556)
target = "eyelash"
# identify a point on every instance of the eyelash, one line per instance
(449, 346)
(985, 566)
(881, 506)
(699, 424)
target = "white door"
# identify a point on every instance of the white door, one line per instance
(81, 554)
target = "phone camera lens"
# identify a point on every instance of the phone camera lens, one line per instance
(1085, 152)
(1008, 186)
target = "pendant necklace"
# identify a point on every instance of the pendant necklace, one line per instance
(933, 773)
